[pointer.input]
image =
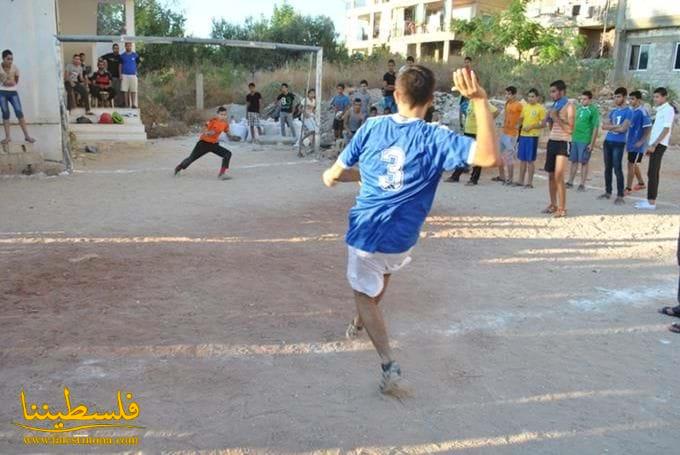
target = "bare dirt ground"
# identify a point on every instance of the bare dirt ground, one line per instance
(222, 307)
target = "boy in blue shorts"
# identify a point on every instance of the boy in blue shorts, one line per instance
(530, 124)
(638, 136)
(401, 159)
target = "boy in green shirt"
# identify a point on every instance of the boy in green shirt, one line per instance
(583, 138)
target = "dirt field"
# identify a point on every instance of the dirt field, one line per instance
(222, 307)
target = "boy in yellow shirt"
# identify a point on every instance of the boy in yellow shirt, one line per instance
(530, 122)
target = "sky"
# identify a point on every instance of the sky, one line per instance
(199, 13)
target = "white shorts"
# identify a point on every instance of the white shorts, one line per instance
(128, 83)
(366, 271)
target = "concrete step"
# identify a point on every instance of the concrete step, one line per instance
(20, 158)
(131, 116)
(102, 133)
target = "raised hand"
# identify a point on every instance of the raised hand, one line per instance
(466, 83)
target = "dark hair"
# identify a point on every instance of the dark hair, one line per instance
(284, 85)
(357, 100)
(252, 84)
(76, 55)
(559, 85)
(311, 90)
(512, 89)
(82, 53)
(534, 91)
(621, 91)
(390, 60)
(388, 109)
(221, 109)
(115, 45)
(410, 59)
(661, 91)
(340, 85)
(373, 108)
(363, 81)
(6, 52)
(636, 94)
(416, 84)
(468, 59)
(587, 93)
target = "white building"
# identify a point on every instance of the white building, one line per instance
(419, 28)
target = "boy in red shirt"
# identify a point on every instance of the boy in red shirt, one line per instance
(209, 142)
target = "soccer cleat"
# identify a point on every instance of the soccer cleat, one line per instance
(391, 377)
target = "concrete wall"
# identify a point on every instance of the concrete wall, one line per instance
(28, 30)
(78, 17)
(662, 44)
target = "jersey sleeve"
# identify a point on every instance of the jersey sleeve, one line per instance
(350, 156)
(457, 150)
(667, 117)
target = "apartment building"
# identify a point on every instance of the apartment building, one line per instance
(643, 36)
(420, 28)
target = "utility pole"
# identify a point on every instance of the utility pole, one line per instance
(619, 40)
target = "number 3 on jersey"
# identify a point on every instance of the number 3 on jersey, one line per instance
(394, 179)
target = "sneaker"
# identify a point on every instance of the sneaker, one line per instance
(471, 183)
(391, 377)
(569, 185)
(528, 186)
(645, 205)
(619, 200)
(517, 184)
(353, 331)
(581, 188)
(497, 179)
(604, 196)
(507, 183)
(224, 176)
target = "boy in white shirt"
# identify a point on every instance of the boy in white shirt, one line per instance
(658, 143)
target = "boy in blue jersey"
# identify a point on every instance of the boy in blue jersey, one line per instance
(638, 135)
(401, 159)
(614, 144)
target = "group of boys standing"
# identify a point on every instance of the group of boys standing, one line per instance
(573, 132)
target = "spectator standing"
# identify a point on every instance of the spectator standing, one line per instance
(658, 143)
(253, 101)
(112, 60)
(129, 62)
(286, 101)
(339, 105)
(389, 79)
(364, 96)
(9, 95)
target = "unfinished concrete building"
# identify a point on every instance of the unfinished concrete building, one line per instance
(419, 28)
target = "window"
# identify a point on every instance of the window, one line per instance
(676, 62)
(639, 57)
(575, 10)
